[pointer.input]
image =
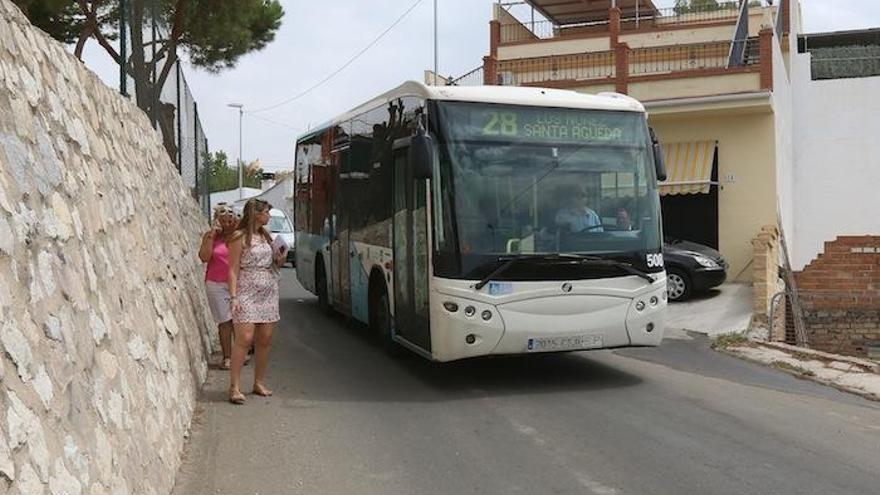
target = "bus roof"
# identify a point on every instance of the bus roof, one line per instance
(510, 95)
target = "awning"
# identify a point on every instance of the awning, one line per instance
(688, 167)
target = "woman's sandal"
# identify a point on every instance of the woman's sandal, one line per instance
(236, 397)
(226, 364)
(261, 390)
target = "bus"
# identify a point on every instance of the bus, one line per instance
(459, 222)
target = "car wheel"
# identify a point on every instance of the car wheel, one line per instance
(678, 285)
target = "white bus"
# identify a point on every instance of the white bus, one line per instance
(470, 221)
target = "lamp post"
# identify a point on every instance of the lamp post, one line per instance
(240, 108)
(436, 57)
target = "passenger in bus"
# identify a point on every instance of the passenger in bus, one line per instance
(623, 221)
(576, 217)
(253, 289)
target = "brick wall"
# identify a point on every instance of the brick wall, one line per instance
(839, 293)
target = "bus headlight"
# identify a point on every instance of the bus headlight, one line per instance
(470, 311)
(450, 306)
(640, 306)
(486, 315)
(654, 300)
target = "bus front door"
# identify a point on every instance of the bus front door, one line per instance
(410, 252)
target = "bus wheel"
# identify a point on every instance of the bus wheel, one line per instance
(321, 288)
(384, 325)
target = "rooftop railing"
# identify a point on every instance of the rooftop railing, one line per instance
(472, 78)
(518, 32)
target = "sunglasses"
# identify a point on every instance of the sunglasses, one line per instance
(220, 210)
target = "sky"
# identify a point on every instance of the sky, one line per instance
(317, 38)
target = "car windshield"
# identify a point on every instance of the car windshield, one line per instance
(537, 181)
(279, 225)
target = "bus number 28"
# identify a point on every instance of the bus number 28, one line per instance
(501, 124)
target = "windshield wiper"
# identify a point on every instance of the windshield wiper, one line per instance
(595, 260)
(580, 258)
(501, 268)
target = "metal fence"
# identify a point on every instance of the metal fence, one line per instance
(161, 90)
(472, 78)
(722, 11)
(580, 67)
(543, 29)
(678, 58)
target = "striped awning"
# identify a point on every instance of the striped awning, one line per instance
(688, 167)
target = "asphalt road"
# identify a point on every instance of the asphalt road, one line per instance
(678, 419)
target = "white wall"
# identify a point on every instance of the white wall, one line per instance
(837, 159)
(281, 196)
(782, 116)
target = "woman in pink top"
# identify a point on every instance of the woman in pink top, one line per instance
(215, 253)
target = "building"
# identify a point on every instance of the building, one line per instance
(709, 77)
(766, 130)
(233, 195)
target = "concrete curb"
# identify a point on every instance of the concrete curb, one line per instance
(848, 374)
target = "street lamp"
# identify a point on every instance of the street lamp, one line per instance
(436, 57)
(240, 108)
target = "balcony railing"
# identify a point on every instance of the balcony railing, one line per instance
(600, 67)
(518, 32)
(678, 58)
(581, 67)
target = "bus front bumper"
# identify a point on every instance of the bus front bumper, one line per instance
(557, 323)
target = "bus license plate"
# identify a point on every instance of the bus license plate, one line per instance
(574, 342)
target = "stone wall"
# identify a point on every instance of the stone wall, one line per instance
(103, 322)
(839, 293)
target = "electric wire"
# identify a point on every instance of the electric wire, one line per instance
(344, 66)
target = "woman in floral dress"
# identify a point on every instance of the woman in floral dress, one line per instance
(253, 290)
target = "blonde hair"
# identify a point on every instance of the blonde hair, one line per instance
(223, 210)
(248, 223)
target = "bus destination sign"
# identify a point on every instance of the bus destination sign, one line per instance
(545, 124)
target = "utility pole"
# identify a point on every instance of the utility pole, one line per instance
(240, 108)
(436, 56)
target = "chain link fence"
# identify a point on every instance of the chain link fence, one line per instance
(159, 87)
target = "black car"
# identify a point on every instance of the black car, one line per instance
(691, 268)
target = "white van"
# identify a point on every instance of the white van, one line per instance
(279, 225)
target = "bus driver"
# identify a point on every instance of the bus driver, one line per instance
(576, 216)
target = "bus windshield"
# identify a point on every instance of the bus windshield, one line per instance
(516, 180)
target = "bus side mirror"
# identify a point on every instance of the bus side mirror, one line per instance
(421, 156)
(659, 160)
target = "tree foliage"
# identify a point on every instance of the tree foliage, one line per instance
(222, 177)
(692, 6)
(689, 6)
(214, 33)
